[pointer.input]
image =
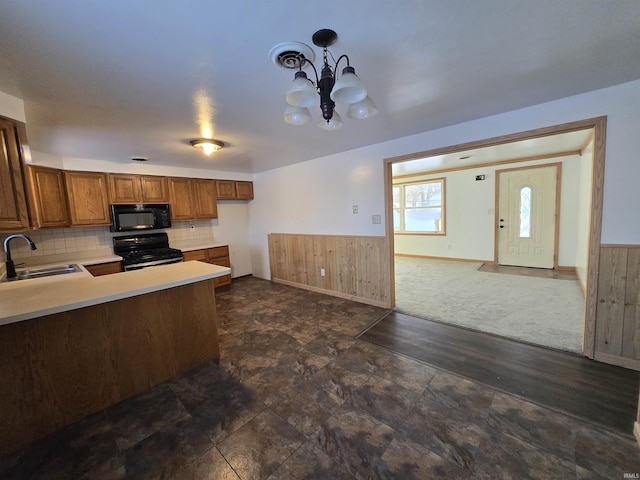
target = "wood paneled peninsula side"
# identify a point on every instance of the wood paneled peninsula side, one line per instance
(73, 345)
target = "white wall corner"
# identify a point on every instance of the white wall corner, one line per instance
(12, 107)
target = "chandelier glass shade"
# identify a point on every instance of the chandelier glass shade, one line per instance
(328, 89)
(363, 109)
(302, 93)
(334, 123)
(297, 115)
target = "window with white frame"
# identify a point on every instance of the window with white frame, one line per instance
(418, 207)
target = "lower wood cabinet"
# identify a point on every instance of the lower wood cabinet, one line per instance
(104, 268)
(215, 256)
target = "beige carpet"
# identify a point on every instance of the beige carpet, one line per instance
(542, 311)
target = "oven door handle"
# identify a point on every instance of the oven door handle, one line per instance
(154, 263)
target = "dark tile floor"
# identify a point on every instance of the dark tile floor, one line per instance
(296, 396)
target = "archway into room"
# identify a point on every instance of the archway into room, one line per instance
(571, 146)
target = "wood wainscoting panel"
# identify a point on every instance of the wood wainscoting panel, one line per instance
(59, 368)
(355, 267)
(617, 331)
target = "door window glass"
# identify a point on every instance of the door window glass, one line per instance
(525, 212)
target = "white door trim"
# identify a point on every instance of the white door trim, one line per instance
(599, 124)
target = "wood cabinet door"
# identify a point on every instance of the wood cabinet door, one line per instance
(88, 198)
(124, 188)
(104, 268)
(181, 198)
(225, 189)
(48, 197)
(200, 255)
(205, 196)
(154, 189)
(219, 256)
(244, 190)
(13, 201)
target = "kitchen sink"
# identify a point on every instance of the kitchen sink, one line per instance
(48, 271)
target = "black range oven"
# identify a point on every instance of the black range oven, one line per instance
(145, 250)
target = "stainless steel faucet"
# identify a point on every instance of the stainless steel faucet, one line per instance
(11, 269)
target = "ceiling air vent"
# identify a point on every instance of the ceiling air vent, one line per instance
(289, 54)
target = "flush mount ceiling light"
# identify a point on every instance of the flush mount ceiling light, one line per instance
(303, 93)
(207, 145)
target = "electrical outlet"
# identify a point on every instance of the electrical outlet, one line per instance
(376, 219)
(449, 246)
(355, 209)
(322, 272)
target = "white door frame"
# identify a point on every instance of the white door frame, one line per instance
(599, 125)
(556, 237)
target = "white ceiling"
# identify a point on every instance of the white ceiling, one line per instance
(113, 79)
(519, 150)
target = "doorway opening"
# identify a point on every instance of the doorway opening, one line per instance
(546, 187)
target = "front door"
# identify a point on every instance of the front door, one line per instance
(527, 216)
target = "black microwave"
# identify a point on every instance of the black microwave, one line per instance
(125, 218)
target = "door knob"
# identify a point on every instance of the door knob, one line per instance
(501, 226)
(502, 219)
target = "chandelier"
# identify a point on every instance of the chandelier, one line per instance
(331, 88)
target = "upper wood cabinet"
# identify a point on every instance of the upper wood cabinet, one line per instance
(234, 190)
(14, 213)
(154, 189)
(47, 197)
(226, 189)
(244, 190)
(87, 196)
(125, 188)
(180, 193)
(205, 198)
(192, 198)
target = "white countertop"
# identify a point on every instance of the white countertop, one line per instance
(197, 245)
(81, 258)
(26, 299)
(90, 258)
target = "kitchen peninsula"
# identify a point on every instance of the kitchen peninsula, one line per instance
(72, 346)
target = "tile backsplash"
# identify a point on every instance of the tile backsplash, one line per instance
(98, 240)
